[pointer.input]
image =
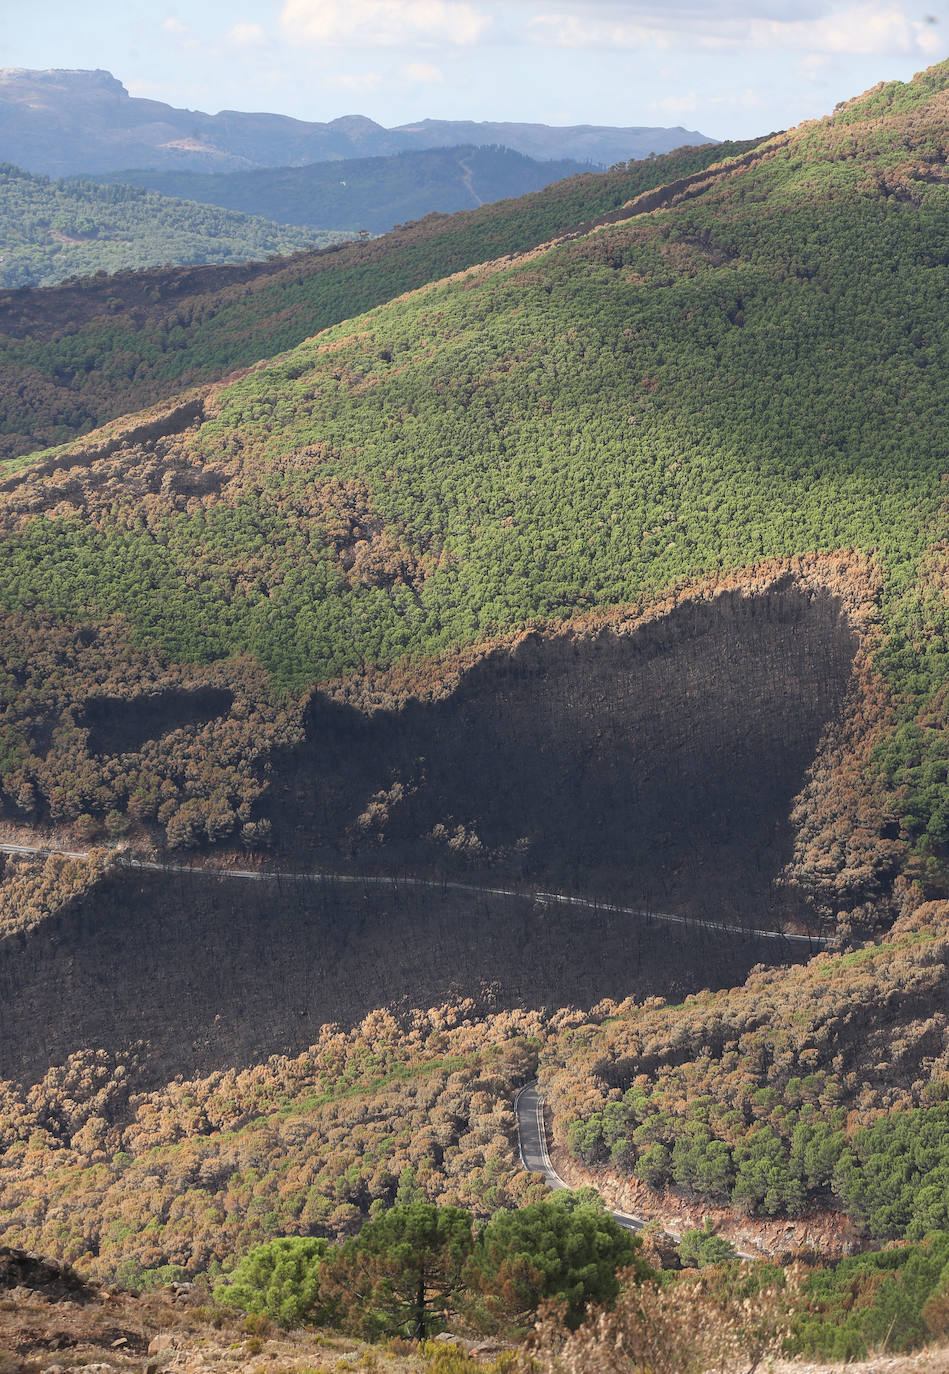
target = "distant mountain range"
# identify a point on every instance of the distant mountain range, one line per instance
(373, 193)
(77, 226)
(66, 122)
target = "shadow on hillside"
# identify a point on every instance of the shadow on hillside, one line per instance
(658, 766)
(208, 972)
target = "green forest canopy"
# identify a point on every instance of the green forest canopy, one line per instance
(368, 192)
(73, 358)
(756, 372)
(76, 227)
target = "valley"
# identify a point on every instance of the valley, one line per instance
(74, 228)
(511, 651)
(81, 355)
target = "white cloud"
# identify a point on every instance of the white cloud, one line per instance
(385, 23)
(676, 104)
(352, 81)
(884, 30)
(881, 27)
(423, 74)
(812, 65)
(747, 99)
(683, 15)
(246, 36)
(186, 40)
(580, 31)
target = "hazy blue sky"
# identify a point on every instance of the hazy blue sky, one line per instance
(728, 69)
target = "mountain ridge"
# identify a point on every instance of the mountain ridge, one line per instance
(67, 351)
(391, 548)
(43, 131)
(76, 226)
(615, 561)
(373, 193)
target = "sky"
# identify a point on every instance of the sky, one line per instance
(732, 69)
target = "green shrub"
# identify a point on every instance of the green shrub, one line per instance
(280, 1280)
(703, 1247)
(567, 1248)
(403, 1273)
(873, 1302)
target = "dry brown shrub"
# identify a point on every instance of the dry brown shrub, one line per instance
(695, 1326)
(935, 1313)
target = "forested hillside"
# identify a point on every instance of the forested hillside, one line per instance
(566, 623)
(753, 372)
(822, 1085)
(76, 228)
(724, 1099)
(371, 193)
(53, 230)
(74, 357)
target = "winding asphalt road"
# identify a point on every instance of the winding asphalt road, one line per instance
(535, 1157)
(532, 1143)
(127, 860)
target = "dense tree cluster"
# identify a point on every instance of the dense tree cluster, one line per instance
(92, 1168)
(33, 889)
(822, 1085)
(83, 353)
(100, 732)
(728, 1316)
(894, 1299)
(418, 1268)
(736, 1317)
(368, 193)
(754, 372)
(58, 229)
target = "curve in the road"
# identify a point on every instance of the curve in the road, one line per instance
(291, 875)
(529, 1102)
(535, 1157)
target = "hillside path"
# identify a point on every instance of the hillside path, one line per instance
(468, 182)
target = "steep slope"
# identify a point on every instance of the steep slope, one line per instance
(683, 393)
(54, 230)
(647, 524)
(820, 1086)
(797, 1085)
(217, 972)
(77, 356)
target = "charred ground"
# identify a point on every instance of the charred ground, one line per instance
(657, 763)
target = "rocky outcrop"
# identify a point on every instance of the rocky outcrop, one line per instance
(58, 1282)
